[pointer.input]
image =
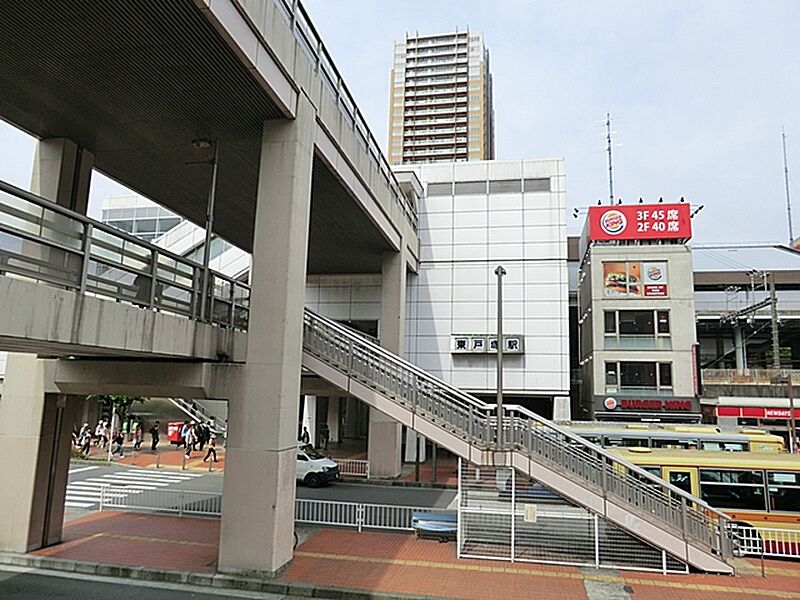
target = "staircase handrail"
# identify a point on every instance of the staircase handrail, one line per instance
(613, 458)
(665, 493)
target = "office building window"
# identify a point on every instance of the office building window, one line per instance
(637, 377)
(636, 329)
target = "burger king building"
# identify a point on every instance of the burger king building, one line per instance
(637, 342)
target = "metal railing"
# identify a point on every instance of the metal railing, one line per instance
(748, 376)
(44, 242)
(179, 502)
(767, 542)
(358, 515)
(198, 413)
(353, 468)
(310, 41)
(581, 461)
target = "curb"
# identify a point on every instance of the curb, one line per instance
(207, 580)
(399, 483)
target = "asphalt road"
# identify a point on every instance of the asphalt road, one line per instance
(85, 480)
(19, 584)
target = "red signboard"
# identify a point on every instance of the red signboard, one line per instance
(756, 412)
(655, 404)
(640, 222)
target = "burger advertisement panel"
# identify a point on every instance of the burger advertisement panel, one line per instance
(635, 280)
(640, 222)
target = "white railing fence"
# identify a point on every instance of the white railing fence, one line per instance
(767, 542)
(356, 515)
(353, 468)
(180, 502)
(359, 515)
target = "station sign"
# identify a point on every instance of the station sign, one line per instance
(485, 344)
(640, 222)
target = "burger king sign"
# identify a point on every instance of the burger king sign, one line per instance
(613, 222)
(640, 222)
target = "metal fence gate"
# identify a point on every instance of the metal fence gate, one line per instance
(502, 516)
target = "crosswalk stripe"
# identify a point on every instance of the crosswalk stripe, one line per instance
(82, 469)
(182, 474)
(155, 478)
(71, 504)
(124, 481)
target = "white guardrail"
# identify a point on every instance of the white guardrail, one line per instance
(768, 542)
(353, 468)
(357, 515)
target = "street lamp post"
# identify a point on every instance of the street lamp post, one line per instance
(202, 145)
(500, 271)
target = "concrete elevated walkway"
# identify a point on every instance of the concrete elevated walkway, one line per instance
(57, 322)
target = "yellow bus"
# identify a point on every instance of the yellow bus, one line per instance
(657, 435)
(756, 489)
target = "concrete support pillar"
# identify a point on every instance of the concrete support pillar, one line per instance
(259, 490)
(333, 419)
(35, 439)
(740, 351)
(562, 410)
(310, 418)
(36, 427)
(62, 171)
(411, 447)
(385, 434)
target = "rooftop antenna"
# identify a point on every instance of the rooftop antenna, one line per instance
(610, 167)
(786, 183)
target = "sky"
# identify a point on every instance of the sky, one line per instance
(698, 93)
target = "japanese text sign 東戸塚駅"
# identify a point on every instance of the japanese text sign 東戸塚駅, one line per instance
(640, 222)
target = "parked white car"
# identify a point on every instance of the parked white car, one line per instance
(313, 468)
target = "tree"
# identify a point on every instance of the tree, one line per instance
(119, 403)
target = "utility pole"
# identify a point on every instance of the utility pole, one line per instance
(610, 167)
(499, 271)
(786, 183)
(792, 422)
(206, 275)
(773, 298)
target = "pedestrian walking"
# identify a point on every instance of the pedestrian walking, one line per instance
(154, 436)
(137, 435)
(117, 443)
(212, 449)
(305, 437)
(85, 439)
(190, 438)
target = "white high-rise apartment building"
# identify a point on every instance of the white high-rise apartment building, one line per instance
(441, 99)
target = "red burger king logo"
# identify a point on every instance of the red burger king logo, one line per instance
(613, 222)
(610, 403)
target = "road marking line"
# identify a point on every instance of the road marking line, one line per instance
(82, 469)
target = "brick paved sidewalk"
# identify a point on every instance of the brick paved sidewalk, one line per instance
(167, 457)
(396, 564)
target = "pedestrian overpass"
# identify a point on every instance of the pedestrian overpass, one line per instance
(72, 274)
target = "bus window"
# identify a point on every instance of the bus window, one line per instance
(784, 491)
(682, 480)
(733, 489)
(724, 446)
(671, 444)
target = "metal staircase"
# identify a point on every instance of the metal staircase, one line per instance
(642, 504)
(197, 413)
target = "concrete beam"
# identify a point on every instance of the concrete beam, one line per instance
(53, 321)
(135, 378)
